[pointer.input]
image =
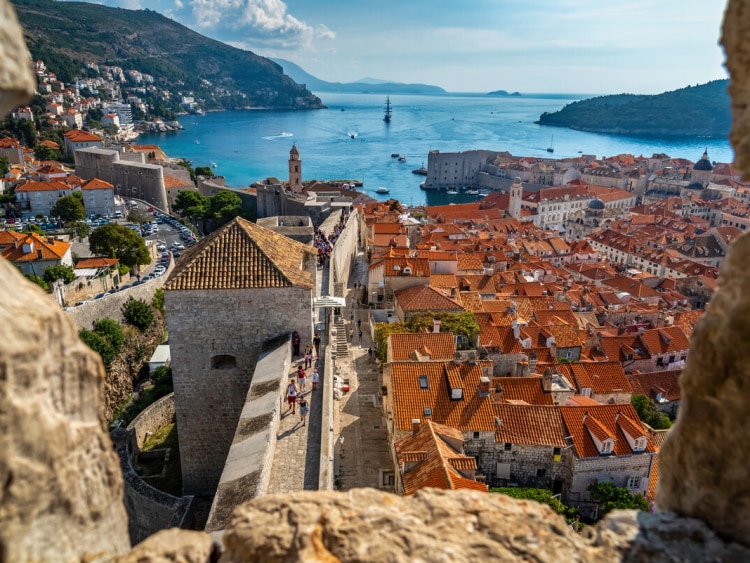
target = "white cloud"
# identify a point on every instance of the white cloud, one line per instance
(178, 4)
(266, 23)
(132, 4)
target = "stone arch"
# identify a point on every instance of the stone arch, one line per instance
(223, 361)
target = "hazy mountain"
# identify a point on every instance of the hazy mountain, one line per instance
(501, 93)
(695, 111)
(67, 34)
(365, 86)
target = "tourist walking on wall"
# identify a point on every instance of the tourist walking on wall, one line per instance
(315, 378)
(291, 395)
(316, 343)
(303, 408)
(351, 335)
(360, 336)
(308, 356)
(295, 343)
(301, 379)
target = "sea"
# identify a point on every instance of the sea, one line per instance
(350, 140)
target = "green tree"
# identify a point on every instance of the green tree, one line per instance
(9, 196)
(43, 152)
(611, 497)
(59, 272)
(31, 228)
(224, 206)
(382, 331)
(203, 171)
(649, 413)
(189, 168)
(158, 301)
(543, 496)
(117, 241)
(458, 323)
(27, 132)
(78, 229)
(112, 129)
(191, 204)
(69, 208)
(98, 344)
(4, 165)
(139, 217)
(111, 331)
(138, 313)
(39, 281)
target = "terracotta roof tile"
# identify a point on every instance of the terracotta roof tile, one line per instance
(655, 383)
(425, 298)
(526, 389)
(50, 249)
(601, 377)
(531, 425)
(242, 255)
(442, 345)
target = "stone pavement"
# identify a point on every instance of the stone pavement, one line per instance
(362, 451)
(296, 463)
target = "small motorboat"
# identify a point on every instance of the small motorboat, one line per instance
(395, 155)
(382, 190)
(402, 158)
(452, 192)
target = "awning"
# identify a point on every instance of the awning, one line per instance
(86, 272)
(329, 301)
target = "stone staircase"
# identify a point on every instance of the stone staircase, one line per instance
(341, 346)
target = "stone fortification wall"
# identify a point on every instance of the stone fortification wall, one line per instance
(111, 306)
(247, 470)
(454, 169)
(616, 470)
(149, 509)
(216, 338)
(295, 227)
(525, 461)
(345, 249)
(127, 172)
(153, 418)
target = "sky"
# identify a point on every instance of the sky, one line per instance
(530, 46)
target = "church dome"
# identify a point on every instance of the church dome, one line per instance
(597, 204)
(704, 163)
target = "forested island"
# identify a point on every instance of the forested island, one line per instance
(694, 111)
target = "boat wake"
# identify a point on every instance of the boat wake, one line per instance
(281, 135)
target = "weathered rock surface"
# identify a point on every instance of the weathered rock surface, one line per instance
(17, 82)
(453, 526)
(173, 545)
(736, 41)
(61, 493)
(704, 462)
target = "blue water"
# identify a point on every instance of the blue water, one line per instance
(252, 145)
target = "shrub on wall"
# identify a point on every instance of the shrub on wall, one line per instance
(138, 313)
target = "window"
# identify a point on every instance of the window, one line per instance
(507, 446)
(423, 383)
(607, 446)
(223, 361)
(634, 482)
(475, 436)
(556, 451)
(541, 472)
(427, 411)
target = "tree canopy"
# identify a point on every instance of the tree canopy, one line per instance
(611, 497)
(120, 242)
(192, 204)
(224, 206)
(69, 208)
(57, 272)
(43, 152)
(649, 414)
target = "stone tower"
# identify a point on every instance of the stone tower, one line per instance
(238, 288)
(516, 193)
(295, 170)
(702, 170)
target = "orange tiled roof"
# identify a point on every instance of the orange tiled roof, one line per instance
(97, 262)
(470, 413)
(52, 185)
(80, 136)
(243, 255)
(50, 249)
(664, 340)
(601, 420)
(438, 463)
(441, 345)
(9, 237)
(600, 377)
(526, 389)
(531, 425)
(172, 182)
(652, 384)
(97, 184)
(425, 298)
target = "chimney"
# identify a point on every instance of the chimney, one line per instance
(415, 425)
(533, 358)
(547, 381)
(484, 387)
(436, 325)
(51, 240)
(516, 330)
(498, 392)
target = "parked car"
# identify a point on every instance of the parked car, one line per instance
(178, 246)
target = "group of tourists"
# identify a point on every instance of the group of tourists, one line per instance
(295, 392)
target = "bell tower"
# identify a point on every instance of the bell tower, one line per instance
(295, 170)
(516, 195)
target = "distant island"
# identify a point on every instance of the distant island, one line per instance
(501, 93)
(68, 35)
(364, 86)
(694, 111)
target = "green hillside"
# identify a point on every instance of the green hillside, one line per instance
(67, 34)
(699, 111)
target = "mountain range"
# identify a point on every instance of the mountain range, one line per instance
(693, 111)
(65, 35)
(363, 86)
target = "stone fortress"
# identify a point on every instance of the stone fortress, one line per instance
(62, 485)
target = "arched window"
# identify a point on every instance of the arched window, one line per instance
(223, 361)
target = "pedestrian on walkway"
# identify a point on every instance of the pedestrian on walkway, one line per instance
(291, 395)
(360, 336)
(351, 316)
(351, 335)
(308, 356)
(359, 324)
(295, 343)
(301, 379)
(316, 343)
(303, 408)
(369, 352)
(315, 378)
